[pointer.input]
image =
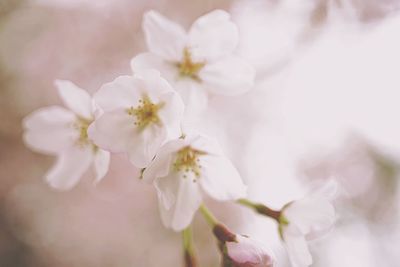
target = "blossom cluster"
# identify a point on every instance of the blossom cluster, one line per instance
(142, 115)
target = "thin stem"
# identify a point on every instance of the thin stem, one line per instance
(261, 209)
(247, 203)
(187, 238)
(210, 218)
(188, 246)
(220, 231)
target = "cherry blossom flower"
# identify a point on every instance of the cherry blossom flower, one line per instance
(198, 62)
(140, 113)
(307, 219)
(62, 132)
(246, 252)
(185, 170)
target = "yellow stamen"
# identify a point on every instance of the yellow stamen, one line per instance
(146, 113)
(188, 68)
(82, 125)
(187, 160)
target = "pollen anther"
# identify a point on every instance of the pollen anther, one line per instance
(82, 125)
(145, 113)
(188, 68)
(187, 160)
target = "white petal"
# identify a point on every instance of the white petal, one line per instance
(167, 190)
(193, 95)
(297, 249)
(152, 84)
(49, 130)
(228, 76)
(171, 114)
(113, 131)
(314, 215)
(213, 36)
(161, 164)
(220, 179)
(101, 163)
(123, 92)
(147, 61)
(144, 144)
(164, 37)
(179, 200)
(327, 190)
(70, 166)
(75, 98)
(310, 215)
(204, 143)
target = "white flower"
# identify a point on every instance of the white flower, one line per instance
(307, 219)
(58, 131)
(141, 112)
(198, 62)
(246, 252)
(186, 169)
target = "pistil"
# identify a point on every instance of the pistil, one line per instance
(146, 113)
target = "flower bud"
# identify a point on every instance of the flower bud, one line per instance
(245, 252)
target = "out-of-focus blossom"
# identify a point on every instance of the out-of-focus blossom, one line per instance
(74, 3)
(63, 132)
(366, 10)
(352, 164)
(141, 112)
(271, 31)
(186, 169)
(307, 219)
(199, 62)
(246, 252)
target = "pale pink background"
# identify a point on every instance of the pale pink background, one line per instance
(325, 105)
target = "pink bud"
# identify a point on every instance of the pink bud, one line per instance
(246, 252)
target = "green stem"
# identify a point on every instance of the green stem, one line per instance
(247, 203)
(210, 218)
(188, 246)
(261, 209)
(187, 236)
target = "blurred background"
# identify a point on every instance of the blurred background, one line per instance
(325, 106)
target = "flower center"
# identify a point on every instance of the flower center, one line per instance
(187, 160)
(82, 125)
(188, 68)
(146, 112)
